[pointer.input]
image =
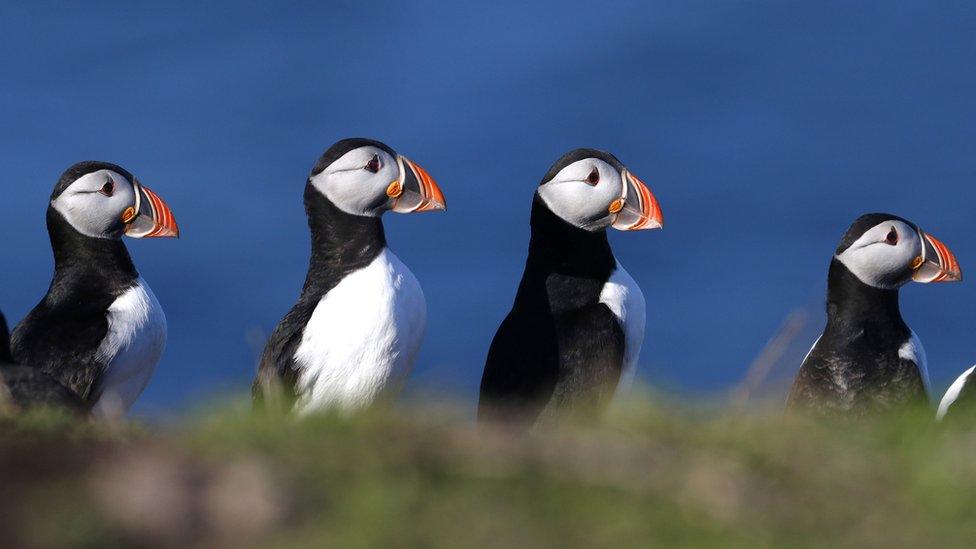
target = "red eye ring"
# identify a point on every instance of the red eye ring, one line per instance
(892, 237)
(594, 177)
(373, 165)
(108, 189)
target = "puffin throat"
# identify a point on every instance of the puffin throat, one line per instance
(853, 302)
(81, 259)
(341, 242)
(562, 247)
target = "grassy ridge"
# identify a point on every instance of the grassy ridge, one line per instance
(422, 478)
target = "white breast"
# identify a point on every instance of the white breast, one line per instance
(624, 298)
(953, 393)
(912, 350)
(363, 337)
(132, 347)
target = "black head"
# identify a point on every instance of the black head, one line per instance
(343, 146)
(592, 190)
(365, 177)
(103, 200)
(886, 251)
(864, 224)
(576, 155)
(86, 167)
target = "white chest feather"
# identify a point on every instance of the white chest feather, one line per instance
(624, 298)
(363, 337)
(912, 350)
(953, 393)
(132, 347)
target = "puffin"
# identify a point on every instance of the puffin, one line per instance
(99, 330)
(867, 360)
(960, 395)
(573, 336)
(24, 387)
(354, 334)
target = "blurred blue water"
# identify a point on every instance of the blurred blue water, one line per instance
(763, 127)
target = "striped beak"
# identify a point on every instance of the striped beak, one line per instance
(637, 209)
(937, 263)
(415, 190)
(150, 217)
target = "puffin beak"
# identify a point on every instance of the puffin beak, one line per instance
(150, 217)
(415, 190)
(637, 209)
(937, 263)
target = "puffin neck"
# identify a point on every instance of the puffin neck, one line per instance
(341, 242)
(558, 246)
(81, 259)
(853, 302)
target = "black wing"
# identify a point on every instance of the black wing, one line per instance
(277, 372)
(522, 367)
(591, 349)
(808, 387)
(30, 387)
(904, 388)
(63, 342)
(856, 382)
(568, 362)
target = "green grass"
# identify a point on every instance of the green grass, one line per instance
(429, 478)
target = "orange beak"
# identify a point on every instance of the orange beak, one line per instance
(638, 208)
(415, 190)
(937, 263)
(150, 217)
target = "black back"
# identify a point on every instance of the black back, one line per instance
(63, 332)
(28, 386)
(341, 244)
(854, 369)
(558, 344)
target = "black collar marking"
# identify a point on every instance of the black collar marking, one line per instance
(560, 248)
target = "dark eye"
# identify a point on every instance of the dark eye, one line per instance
(108, 188)
(594, 177)
(892, 237)
(373, 165)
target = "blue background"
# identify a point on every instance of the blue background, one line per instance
(764, 128)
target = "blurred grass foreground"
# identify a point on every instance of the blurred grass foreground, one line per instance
(410, 477)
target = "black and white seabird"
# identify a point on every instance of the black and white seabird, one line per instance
(28, 387)
(574, 333)
(99, 330)
(356, 330)
(960, 395)
(867, 359)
